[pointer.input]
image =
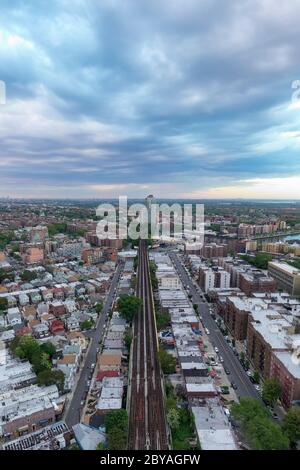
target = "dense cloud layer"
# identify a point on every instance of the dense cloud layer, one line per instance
(180, 98)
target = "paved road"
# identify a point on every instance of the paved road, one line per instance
(74, 410)
(237, 374)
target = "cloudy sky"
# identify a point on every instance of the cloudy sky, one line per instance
(187, 98)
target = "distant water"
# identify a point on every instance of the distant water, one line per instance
(292, 237)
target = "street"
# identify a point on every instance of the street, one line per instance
(74, 409)
(237, 374)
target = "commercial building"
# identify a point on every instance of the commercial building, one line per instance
(287, 277)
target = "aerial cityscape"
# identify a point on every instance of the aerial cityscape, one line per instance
(149, 228)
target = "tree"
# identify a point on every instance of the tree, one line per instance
(99, 307)
(25, 347)
(263, 434)
(173, 418)
(291, 425)
(117, 439)
(271, 391)
(260, 432)
(167, 362)
(242, 357)
(256, 377)
(101, 446)
(87, 324)
(247, 410)
(52, 377)
(40, 362)
(3, 304)
(260, 260)
(28, 276)
(128, 306)
(48, 348)
(116, 423)
(128, 339)
(116, 418)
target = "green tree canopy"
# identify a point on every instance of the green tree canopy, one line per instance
(99, 307)
(100, 446)
(3, 303)
(173, 417)
(28, 276)
(25, 347)
(52, 377)
(291, 425)
(263, 434)
(128, 306)
(116, 423)
(248, 408)
(48, 348)
(260, 431)
(271, 391)
(256, 376)
(116, 418)
(87, 324)
(167, 362)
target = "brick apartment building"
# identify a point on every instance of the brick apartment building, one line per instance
(250, 283)
(286, 370)
(33, 255)
(92, 256)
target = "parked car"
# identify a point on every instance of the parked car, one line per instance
(216, 349)
(207, 331)
(221, 359)
(234, 385)
(227, 371)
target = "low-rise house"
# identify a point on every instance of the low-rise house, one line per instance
(29, 312)
(23, 330)
(70, 306)
(14, 316)
(23, 299)
(78, 338)
(57, 309)
(47, 295)
(41, 330)
(35, 297)
(57, 327)
(47, 318)
(69, 365)
(72, 323)
(7, 336)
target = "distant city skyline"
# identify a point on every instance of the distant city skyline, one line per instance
(180, 99)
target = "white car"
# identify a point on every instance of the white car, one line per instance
(257, 387)
(216, 349)
(221, 359)
(207, 331)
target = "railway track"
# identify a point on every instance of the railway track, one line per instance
(147, 423)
